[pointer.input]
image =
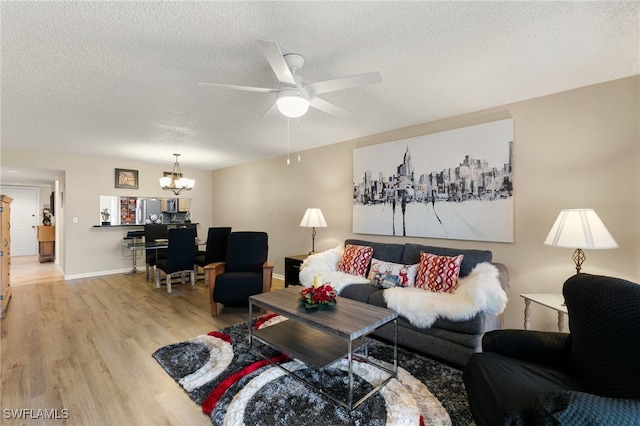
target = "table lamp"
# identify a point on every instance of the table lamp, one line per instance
(580, 229)
(313, 218)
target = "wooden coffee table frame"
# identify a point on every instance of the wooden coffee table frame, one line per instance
(319, 339)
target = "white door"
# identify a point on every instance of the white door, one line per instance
(24, 218)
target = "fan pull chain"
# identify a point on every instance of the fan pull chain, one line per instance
(298, 139)
(288, 140)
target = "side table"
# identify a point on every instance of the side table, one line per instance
(46, 243)
(554, 301)
(292, 269)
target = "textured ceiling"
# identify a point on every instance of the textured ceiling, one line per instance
(118, 79)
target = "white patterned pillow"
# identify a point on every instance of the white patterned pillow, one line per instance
(387, 274)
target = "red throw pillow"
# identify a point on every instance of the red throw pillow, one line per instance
(438, 273)
(355, 260)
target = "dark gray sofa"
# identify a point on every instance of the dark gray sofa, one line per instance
(450, 341)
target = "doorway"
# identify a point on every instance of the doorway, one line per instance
(24, 220)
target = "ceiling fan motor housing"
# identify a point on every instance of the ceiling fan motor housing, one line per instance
(294, 61)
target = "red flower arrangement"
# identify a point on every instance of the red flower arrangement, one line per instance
(321, 297)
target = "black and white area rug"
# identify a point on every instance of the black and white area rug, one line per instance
(235, 386)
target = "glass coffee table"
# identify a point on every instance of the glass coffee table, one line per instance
(321, 338)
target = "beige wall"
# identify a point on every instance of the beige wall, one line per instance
(574, 149)
(88, 251)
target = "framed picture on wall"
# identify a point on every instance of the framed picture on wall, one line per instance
(126, 178)
(455, 184)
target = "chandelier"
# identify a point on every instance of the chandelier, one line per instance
(175, 182)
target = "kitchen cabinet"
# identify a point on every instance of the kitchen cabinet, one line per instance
(5, 253)
(169, 205)
(184, 205)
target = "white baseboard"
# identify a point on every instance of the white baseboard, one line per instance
(99, 274)
(123, 271)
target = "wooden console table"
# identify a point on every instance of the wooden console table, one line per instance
(46, 243)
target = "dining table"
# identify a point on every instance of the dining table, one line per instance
(138, 244)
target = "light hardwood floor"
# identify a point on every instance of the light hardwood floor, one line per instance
(27, 270)
(85, 346)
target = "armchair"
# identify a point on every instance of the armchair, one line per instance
(244, 273)
(216, 249)
(589, 376)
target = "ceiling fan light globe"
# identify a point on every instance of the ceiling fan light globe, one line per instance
(293, 103)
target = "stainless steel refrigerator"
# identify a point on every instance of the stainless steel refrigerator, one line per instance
(148, 211)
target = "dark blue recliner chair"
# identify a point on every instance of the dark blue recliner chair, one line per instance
(589, 376)
(244, 273)
(216, 249)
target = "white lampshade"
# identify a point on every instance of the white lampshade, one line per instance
(185, 183)
(580, 228)
(313, 218)
(293, 103)
(165, 181)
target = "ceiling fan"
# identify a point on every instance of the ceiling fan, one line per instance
(294, 95)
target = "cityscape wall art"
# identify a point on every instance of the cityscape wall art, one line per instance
(455, 184)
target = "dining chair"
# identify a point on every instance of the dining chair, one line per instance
(153, 232)
(180, 257)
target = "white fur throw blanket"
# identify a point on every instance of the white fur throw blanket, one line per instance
(480, 291)
(326, 264)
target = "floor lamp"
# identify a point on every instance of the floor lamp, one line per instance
(313, 218)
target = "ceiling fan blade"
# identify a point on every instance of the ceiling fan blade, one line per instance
(279, 66)
(246, 88)
(328, 107)
(271, 111)
(345, 82)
